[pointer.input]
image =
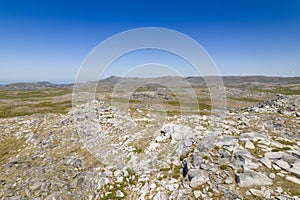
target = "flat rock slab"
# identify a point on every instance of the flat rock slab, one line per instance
(251, 178)
(293, 179)
(266, 162)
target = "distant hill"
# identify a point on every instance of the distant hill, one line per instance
(33, 86)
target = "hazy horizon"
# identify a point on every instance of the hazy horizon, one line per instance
(71, 82)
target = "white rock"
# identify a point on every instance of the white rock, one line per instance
(152, 186)
(199, 179)
(161, 196)
(119, 193)
(197, 193)
(276, 167)
(171, 186)
(282, 164)
(273, 155)
(293, 179)
(295, 170)
(188, 142)
(266, 162)
(272, 175)
(153, 146)
(249, 145)
(159, 139)
(119, 179)
(229, 180)
(117, 173)
(252, 178)
(257, 193)
(279, 190)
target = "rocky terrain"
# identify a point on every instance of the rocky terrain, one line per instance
(96, 151)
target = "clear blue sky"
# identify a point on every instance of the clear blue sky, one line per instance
(48, 40)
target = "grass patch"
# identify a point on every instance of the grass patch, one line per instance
(174, 103)
(204, 106)
(224, 167)
(29, 109)
(278, 89)
(42, 93)
(286, 142)
(9, 147)
(172, 172)
(245, 99)
(139, 150)
(280, 149)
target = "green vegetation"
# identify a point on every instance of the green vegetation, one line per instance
(9, 147)
(224, 166)
(245, 99)
(20, 103)
(203, 106)
(278, 89)
(172, 172)
(42, 93)
(139, 150)
(205, 157)
(217, 148)
(286, 142)
(29, 109)
(277, 149)
(111, 193)
(174, 103)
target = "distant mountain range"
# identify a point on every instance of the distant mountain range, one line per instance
(192, 79)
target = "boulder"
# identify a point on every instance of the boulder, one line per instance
(199, 178)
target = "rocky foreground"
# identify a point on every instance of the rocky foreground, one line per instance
(251, 153)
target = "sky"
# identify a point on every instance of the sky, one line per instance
(49, 40)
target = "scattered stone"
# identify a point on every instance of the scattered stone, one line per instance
(257, 193)
(266, 162)
(249, 145)
(161, 196)
(273, 155)
(276, 167)
(272, 175)
(229, 180)
(282, 164)
(278, 190)
(159, 139)
(210, 151)
(188, 142)
(197, 193)
(119, 193)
